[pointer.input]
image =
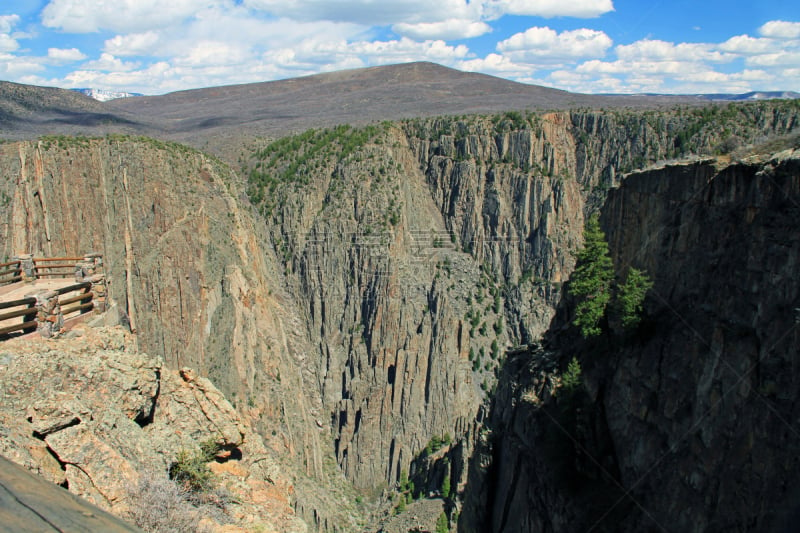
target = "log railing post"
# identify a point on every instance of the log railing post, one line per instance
(90, 265)
(49, 320)
(27, 267)
(99, 289)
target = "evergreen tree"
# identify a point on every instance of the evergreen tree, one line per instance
(591, 280)
(441, 524)
(630, 297)
(571, 379)
(446, 486)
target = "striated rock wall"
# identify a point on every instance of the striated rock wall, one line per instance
(187, 271)
(685, 424)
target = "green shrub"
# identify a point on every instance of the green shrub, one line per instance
(191, 469)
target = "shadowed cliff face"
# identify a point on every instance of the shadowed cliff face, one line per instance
(688, 423)
(366, 307)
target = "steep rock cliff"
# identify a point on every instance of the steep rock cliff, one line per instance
(685, 424)
(187, 271)
(421, 251)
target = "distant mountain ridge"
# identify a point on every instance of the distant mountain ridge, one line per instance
(753, 95)
(102, 95)
(218, 119)
(728, 97)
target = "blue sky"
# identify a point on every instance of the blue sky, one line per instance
(593, 46)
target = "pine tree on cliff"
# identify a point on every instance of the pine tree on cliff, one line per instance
(591, 281)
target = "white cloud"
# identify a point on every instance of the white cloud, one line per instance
(449, 29)
(108, 62)
(134, 44)
(780, 29)
(389, 12)
(777, 59)
(65, 55)
(7, 42)
(7, 23)
(85, 16)
(498, 65)
(544, 44)
(655, 50)
(213, 53)
(370, 12)
(553, 8)
(746, 45)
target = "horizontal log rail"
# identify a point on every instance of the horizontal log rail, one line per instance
(74, 287)
(15, 303)
(31, 325)
(48, 274)
(64, 265)
(83, 308)
(26, 309)
(19, 312)
(51, 259)
(45, 310)
(79, 298)
(10, 272)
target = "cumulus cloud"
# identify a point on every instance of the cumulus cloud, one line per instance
(212, 53)
(746, 45)
(423, 11)
(544, 44)
(65, 55)
(780, 29)
(448, 30)
(7, 42)
(370, 12)
(552, 8)
(84, 16)
(108, 62)
(655, 50)
(133, 44)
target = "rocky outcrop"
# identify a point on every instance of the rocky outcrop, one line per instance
(29, 503)
(685, 424)
(93, 415)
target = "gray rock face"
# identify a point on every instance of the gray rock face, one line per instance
(687, 424)
(29, 503)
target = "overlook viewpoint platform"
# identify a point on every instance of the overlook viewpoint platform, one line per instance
(47, 295)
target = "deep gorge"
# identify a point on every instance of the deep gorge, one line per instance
(354, 291)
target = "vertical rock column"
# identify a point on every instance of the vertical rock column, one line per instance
(49, 320)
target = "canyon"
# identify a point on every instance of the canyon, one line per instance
(389, 302)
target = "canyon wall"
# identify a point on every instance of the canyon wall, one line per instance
(686, 423)
(360, 302)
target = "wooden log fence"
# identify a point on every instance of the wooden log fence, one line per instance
(46, 311)
(10, 272)
(27, 310)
